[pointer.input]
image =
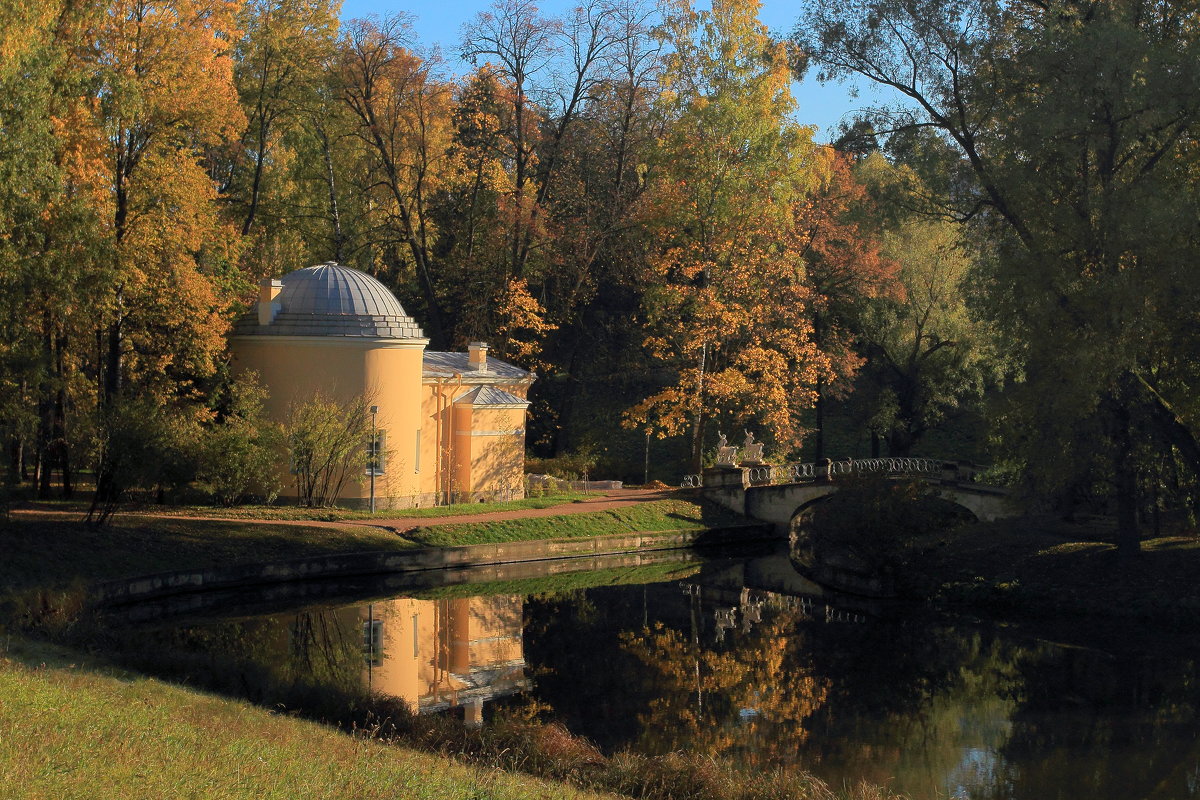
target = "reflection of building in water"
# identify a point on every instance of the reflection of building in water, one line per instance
(441, 654)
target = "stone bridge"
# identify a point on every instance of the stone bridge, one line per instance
(778, 494)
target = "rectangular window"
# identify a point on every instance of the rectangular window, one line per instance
(373, 642)
(416, 637)
(377, 453)
(417, 468)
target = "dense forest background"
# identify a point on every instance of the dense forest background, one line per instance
(999, 267)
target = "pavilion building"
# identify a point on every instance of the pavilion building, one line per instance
(450, 427)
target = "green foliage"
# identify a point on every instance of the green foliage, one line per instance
(567, 467)
(1068, 135)
(327, 445)
(928, 353)
(240, 452)
(140, 444)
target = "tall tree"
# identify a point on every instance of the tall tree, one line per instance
(285, 46)
(403, 115)
(1076, 121)
(726, 301)
(164, 92)
(845, 270)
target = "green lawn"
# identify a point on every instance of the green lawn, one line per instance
(46, 550)
(287, 513)
(660, 515)
(70, 730)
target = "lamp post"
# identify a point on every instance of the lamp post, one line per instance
(646, 477)
(374, 463)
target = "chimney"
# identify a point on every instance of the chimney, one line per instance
(477, 357)
(268, 290)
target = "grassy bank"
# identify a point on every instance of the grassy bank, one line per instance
(660, 515)
(285, 513)
(74, 728)
(1048, 568)
(70, 731)
(51, 550)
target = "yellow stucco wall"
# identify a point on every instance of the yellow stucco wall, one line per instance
(441, 461)
(490, 448)
(393, 382)
(293, 369)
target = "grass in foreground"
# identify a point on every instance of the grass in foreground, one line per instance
(659, 515)
(1051, 568)
(69, 729)
(71, 732)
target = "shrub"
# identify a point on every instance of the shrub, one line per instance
(327, 443)
(240, 452)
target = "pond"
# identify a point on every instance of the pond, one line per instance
(739, 658)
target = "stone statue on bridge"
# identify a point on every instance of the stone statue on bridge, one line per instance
(752, 451)
(726, 455)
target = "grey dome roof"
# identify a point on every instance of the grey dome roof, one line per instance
(332, 300)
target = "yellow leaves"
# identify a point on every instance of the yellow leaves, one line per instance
(25, 27)
(522, 322)
(759, 667)
(167, 67)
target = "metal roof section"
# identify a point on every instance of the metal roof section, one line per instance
(332, 300)
(489, 396)
(438, 364)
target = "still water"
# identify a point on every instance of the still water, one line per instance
(739, 658)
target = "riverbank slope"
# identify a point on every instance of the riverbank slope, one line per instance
(1047, 568)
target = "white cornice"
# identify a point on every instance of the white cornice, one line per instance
(338, 341)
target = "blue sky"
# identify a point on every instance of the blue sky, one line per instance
(440, 23)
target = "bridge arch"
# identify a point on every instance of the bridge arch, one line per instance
(780, 494)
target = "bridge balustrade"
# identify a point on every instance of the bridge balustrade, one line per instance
(764, 475)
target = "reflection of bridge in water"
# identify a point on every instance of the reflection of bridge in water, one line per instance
(777, 494)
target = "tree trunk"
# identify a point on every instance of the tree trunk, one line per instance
(698, 427)
(1125, 471)
(112, 360)
(59, 431)
(14, 459)
(820, 409)
(335, 216)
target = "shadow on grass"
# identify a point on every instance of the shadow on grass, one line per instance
(1042, 569)
(48, 550)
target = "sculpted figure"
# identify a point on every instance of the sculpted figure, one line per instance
(752, 451)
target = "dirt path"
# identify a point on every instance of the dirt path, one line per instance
(613, 499)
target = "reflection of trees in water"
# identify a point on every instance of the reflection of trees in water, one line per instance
(574, 657)
(327, 650)
(309, 659)
(1112, 726)
(921, 707)
(750, 698)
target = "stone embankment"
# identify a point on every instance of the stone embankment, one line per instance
(349, 565)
